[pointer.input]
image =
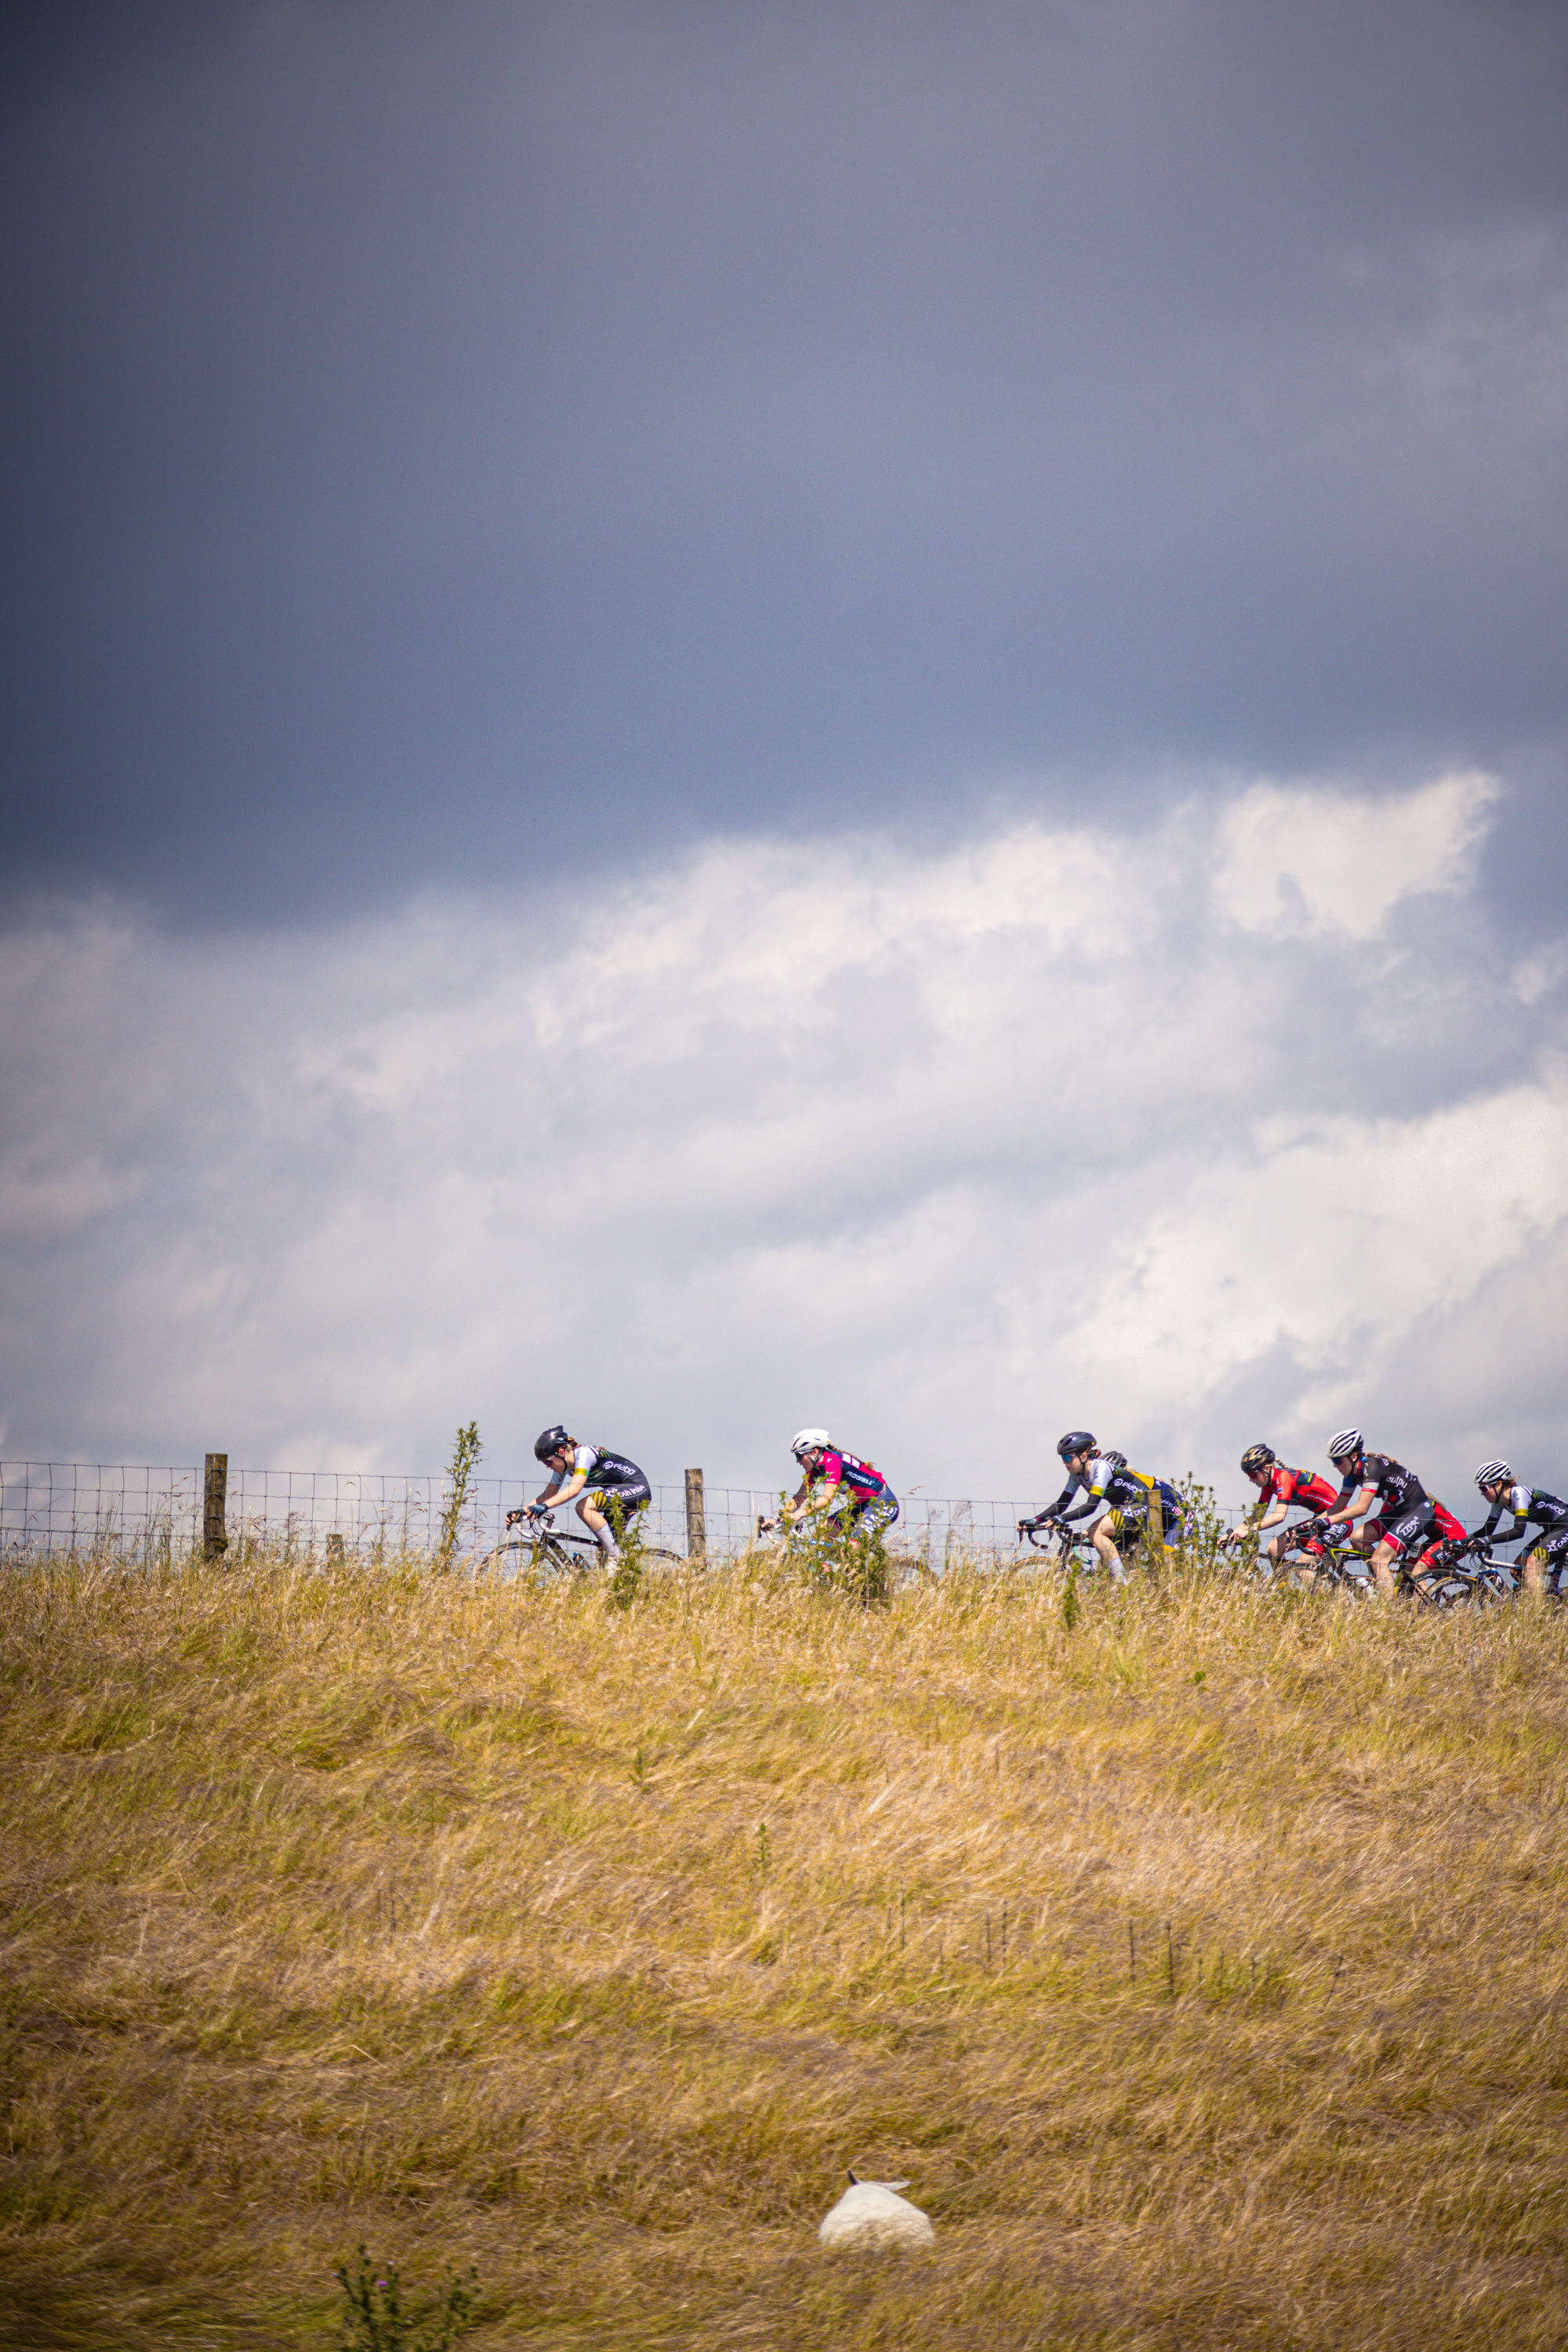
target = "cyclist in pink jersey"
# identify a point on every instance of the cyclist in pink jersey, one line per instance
(853, 1495)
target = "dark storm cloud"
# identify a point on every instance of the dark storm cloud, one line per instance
(425, 424)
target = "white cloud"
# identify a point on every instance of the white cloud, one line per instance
(1303, 860)
(950, 1150)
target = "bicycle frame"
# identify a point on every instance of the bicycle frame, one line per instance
(1065, 1548)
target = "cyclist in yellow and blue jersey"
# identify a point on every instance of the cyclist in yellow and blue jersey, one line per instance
(1122, 1505)
(598, 1480)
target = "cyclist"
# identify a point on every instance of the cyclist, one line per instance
(592, 1476)
(1544, 1559)
(855, 1498)
(1282, 1490)
(1121, 1504)
(1076, 1442)
(1408, 1519)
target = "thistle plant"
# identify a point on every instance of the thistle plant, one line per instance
(627, 1572)
(466, 1452)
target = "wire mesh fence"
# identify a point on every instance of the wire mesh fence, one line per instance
(154, 1516)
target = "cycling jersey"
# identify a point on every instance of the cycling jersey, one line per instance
(606, 1472)
(1106, 1485)
(1298, 1487)
(1398, 1490)
(1108, 1482)
(840, 1468)
(1130, 1520)
(1058, 1509)
(1532, 1507)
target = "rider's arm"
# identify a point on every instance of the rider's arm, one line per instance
(1342, 1513)
(812, 1495)
(1256, 1527)
(558, 1492)
(798, 1502)
(1058, 1509)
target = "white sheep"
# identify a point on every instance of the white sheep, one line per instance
(872, 2213)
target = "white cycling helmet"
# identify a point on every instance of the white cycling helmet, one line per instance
(805, 1438)
(1494, 1474)
(1346, 1446)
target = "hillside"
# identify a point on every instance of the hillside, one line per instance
(1200, 1962)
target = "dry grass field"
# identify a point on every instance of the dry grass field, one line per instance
(1200, 1963)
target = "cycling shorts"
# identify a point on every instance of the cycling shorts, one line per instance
(1414, 1528)
(1551, 1548)
(1128, 1524)
(865, 1514)
(625, 1499)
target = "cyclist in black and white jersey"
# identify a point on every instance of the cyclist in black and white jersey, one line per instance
(1544, 1559)
(1122, 1505)
(1407, 1520)
(593, 1477)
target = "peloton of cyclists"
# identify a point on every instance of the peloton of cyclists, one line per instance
(851, 1494)
(597, 1479)
(1544, 1561)
(847, 1494)
(1283, 1490)
(1121, 1504)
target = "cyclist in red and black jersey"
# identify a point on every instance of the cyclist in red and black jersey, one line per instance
(853, 1496)
(1282, 1490)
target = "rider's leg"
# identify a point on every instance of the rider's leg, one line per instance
(1532, 1568)
(878, 1514)
(1104, 1543)
(1305, 1574)
(598, 1525)
(1551, 1563)
(627, 1502)
(1406, 1539)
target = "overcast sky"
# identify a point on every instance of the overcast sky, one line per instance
(724, 717)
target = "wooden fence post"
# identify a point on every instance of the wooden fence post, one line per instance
(215, 1507)
(696, 1517)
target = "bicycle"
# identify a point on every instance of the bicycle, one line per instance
(1338, 1566)
(557, 1552)
(1070, 1548)
(837, 1552)
(1464, 1575)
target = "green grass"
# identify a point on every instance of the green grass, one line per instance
(589, 1945)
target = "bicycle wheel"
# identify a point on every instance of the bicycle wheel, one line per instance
(546, 1555)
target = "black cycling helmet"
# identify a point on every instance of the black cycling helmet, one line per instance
(1258, 1457)
(549, 1441)
(1117, 1461)
(1077, 1441)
